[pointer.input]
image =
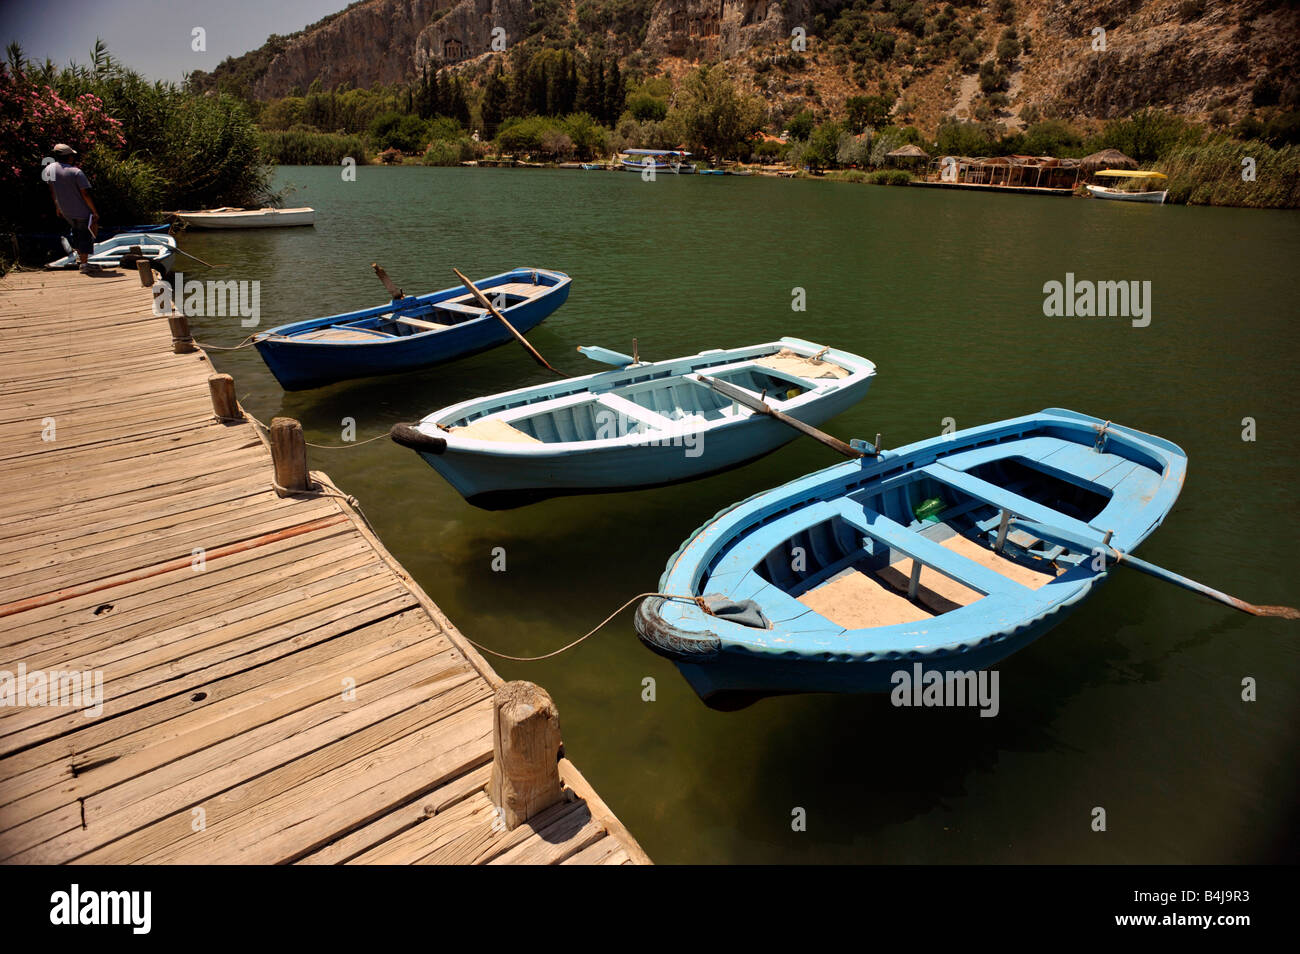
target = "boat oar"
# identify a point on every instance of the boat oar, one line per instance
(746, 399)
(1117, 557)
(482, 300)
(393, 290)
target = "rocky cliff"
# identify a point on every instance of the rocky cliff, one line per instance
(390, 41)
(1198, 57)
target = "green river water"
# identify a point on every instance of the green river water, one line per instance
(1134, 705)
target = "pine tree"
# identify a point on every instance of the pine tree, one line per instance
(589, 95)
(437, 96)
(615, 94)
(496, 102)
(458, 105)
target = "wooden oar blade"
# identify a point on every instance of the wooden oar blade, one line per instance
(393, 290)
(1081, 544)
(1284, 612)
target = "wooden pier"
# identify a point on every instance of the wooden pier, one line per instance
(275, 687)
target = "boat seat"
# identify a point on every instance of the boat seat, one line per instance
(343, 334)
(928, 552)
(518, 289)
(1006, 500)
(800, 367)
(493, 429)
(423, 325)
(635, 412)
(461, 309)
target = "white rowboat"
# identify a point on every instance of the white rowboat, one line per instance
(247, 218)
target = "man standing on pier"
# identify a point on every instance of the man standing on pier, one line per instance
(71, 192)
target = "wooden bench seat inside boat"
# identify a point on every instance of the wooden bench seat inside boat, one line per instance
(517, 289)
(422, 324)
(461, 307)
(493, 429)
(343, 334)
(521, 289)
(859, 599)
(801, 367)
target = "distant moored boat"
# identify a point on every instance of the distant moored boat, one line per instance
(660, 160)
(247, 218)
(1120, 195)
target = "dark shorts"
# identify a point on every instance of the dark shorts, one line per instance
(82, 240)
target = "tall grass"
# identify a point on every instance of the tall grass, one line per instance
(301, 148)
(1211, 174)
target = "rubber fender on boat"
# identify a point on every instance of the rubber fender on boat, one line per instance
(417, 440)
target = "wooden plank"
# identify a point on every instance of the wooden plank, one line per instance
(223, 688)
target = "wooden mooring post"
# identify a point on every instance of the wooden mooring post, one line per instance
(145, 268)
(289, 454)
(525, 752)
(182, 340)
(224, 404)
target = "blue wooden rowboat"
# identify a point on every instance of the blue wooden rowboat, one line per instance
(917, 556)
(411, 332)
(643, 425)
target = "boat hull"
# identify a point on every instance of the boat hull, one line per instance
(158, 248)
(1116, 195)
(733, 677)
(498, 482)
(1124, 484)
(249, 219)
(299, 364)
(685, 168)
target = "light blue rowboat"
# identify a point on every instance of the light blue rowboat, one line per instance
(944, 553)
(158, 247)
(642, 425)
(411, 332)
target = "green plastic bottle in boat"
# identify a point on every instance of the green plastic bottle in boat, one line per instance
(928, 510)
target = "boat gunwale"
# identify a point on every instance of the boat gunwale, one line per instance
(860, 370)
(288, 334)
(832, 483)
(119, 245)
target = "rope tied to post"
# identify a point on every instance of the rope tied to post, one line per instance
(343, 446)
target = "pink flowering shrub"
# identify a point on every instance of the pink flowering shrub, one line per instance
(144, 145)
(33, 117)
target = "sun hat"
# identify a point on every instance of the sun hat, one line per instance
(63, 149)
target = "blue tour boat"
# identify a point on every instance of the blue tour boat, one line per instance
(410, 332)
(643, 425)
(947, 553)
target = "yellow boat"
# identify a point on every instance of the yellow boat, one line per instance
(1110, 192)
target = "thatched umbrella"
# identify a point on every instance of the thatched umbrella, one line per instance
(909, 151)
(909, 155)
(1106, 159)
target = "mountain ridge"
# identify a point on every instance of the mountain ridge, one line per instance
(1204, 59)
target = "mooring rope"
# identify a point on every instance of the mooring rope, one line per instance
(246, 343)
(343, 446)
(641, 596)
(352, 501)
